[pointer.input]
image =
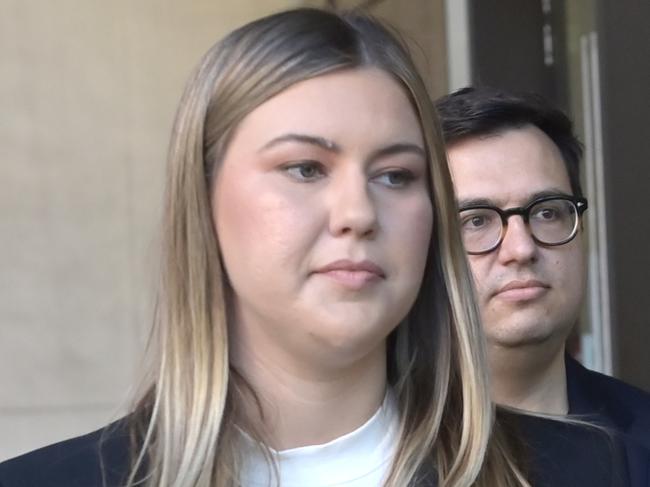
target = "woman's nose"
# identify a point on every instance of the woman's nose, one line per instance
(352, 208)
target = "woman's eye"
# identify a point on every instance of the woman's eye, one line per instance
(395, 178)
(305, 171)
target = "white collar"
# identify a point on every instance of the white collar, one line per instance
(359, 458)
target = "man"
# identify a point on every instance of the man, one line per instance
(515, 166)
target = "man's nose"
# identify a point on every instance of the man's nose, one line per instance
(518, 244)
(353, 210)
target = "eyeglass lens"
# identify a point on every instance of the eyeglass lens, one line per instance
(551, 222)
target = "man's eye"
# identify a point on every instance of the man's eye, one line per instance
(306, 171)
(397, 178)
(476, 221)
(546, 214)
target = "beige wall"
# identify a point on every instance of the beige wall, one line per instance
(422, 23)
(87, 91)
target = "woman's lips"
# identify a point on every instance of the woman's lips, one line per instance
(352, 275)
(522, 290)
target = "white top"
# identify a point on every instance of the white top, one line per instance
(361, 458)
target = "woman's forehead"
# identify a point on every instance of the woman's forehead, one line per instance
(341, 107)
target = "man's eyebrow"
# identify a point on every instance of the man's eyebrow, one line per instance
(547, 192)
(321, 142)
(467, 202)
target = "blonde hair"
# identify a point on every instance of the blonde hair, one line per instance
(436, 365)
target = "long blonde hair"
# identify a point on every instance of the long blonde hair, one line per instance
(184, 422)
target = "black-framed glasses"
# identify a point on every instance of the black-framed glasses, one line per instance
(552, 220)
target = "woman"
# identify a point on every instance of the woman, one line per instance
(315, 322)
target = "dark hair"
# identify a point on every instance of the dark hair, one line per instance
(473, 112)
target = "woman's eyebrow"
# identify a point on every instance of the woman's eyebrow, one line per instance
(331, 146)
(398, 148)
(321, 142)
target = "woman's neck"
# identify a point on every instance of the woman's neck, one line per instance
(304, 404)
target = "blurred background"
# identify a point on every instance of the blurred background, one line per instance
(88, 90)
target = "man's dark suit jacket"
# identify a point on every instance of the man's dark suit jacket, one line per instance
(562, 456)
(614, 403)
(621, 408)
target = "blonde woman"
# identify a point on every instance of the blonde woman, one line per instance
(315, 324)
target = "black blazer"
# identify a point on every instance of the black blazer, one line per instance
(621, 408)
(98, 459)
(561, 455)
(610, 402)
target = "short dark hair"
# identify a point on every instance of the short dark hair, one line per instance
(474, 112)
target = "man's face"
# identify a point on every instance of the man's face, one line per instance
(528, 294)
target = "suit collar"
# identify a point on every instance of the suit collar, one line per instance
(588, 398)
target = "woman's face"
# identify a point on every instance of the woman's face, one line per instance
(323, 217)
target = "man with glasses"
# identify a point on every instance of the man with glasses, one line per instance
(515, 166)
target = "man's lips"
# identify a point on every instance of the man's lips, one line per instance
(353, 275)
(522, 290)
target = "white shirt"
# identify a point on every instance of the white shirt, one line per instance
(361, 458)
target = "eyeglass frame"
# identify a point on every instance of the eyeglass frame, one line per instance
(580, 204)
